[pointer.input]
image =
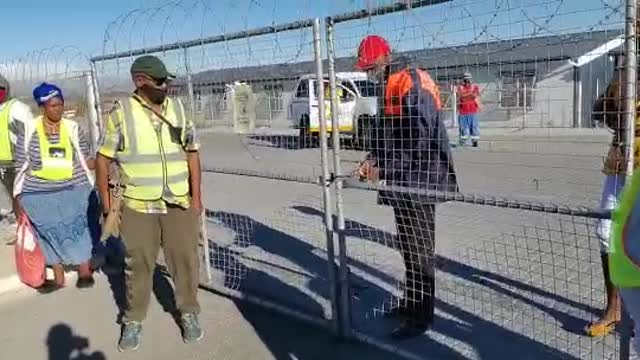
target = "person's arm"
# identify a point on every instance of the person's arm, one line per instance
(192, 147)
(85, 149)
(195, 179)
(110, 144)
(102, 165)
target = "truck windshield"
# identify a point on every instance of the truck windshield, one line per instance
(367, 88)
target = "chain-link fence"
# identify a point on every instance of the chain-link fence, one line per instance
(292, 228)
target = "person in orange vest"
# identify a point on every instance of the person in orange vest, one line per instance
(468, 95)
(410, 149)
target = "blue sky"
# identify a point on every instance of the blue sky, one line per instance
(36, 25)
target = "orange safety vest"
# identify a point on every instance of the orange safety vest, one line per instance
(400, 83)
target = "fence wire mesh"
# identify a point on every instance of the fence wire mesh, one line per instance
(65, 66)
(515, 127)
(502, 281)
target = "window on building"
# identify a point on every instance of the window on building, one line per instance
(303, 89)
(274, 94)
(517, 89)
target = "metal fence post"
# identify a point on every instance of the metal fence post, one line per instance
(630, 69)
(93, 123)
(630, 81)
(190, 91)
(343, 270)
(96, 96)
(326, 178)
(454, 107)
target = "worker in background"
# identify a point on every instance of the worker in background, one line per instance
(410, 148)
(155, 146)
(468, 95)
(15, 118)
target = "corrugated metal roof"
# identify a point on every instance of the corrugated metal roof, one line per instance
(508, 52)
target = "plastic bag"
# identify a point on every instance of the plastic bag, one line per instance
(30, 261)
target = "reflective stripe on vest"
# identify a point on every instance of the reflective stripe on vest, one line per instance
(400, 83)
(57, 159)
(153, 158)
(5, 140)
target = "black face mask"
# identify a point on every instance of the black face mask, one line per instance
(155, 95)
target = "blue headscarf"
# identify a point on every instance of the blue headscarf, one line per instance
(45, 92)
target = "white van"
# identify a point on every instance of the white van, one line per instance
(356, 109)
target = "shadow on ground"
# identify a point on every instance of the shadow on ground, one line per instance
(290, 288)
(63, 344)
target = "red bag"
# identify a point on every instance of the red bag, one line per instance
(30, 261)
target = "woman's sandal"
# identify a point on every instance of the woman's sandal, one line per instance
(600, 328)
(49, 286)
(85, 282)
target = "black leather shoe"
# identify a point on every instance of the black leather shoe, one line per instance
(409, 329)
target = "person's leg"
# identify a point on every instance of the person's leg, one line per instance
(180, 237)
(474, 128)
(631, 299)
(416, 241)
(612, 186)
(464, 129)
(141, 237)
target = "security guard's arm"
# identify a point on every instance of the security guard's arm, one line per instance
(109, 145)
(103, 164)
(195, 179)
(191, 146)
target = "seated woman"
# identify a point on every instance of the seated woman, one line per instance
(54, 185)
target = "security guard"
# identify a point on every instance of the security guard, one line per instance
(155, 146)
(15, 118)
(410, 149)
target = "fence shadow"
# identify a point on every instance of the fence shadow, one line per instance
(295, 295)
(62, 343)
(494, 281)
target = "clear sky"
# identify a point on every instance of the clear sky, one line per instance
(95, 27)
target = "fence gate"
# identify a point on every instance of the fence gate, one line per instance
(515, 276)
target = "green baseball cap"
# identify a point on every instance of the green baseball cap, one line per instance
(152, 66)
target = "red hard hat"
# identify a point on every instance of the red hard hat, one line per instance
(372, 48)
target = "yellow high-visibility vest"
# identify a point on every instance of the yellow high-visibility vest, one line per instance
(5, 141)
(57, 159)
(153, 158)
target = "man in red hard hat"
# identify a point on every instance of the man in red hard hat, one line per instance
(410, 149)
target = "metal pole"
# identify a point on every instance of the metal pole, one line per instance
(577, 98)
(190, 91)
(524, 104)
(630, 82)
(96, 94)
(325, 177)
(92, 118)
(343, 270)
(454, 107)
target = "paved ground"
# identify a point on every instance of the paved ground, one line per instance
(511, 284)
(531, 280)
(73, 324)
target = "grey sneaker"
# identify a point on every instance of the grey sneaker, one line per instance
(191, 330)
(130, 336)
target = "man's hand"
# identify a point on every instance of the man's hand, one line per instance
(369, 171)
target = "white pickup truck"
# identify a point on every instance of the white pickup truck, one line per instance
(356, 108)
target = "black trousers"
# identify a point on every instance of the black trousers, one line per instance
(415, 223)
